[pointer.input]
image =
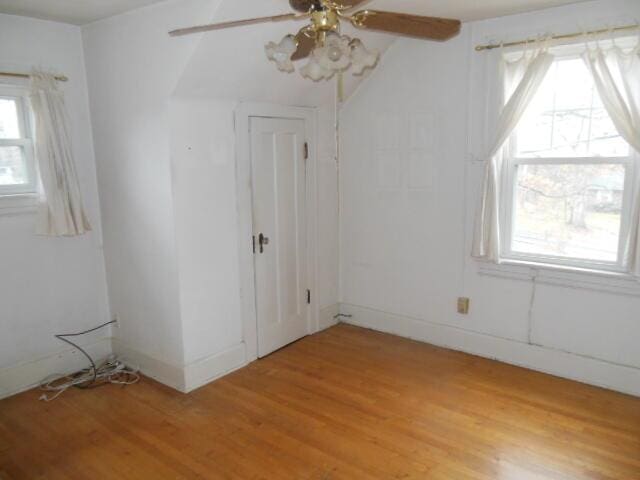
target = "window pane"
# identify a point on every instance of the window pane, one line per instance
(13, 169)
(566, 118)
(571, 211)
(9, 124)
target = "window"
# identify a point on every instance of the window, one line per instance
(17, 172)
(569, 177)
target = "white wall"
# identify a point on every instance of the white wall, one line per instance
(409, 186)
(328, 284)
(203, 159)
(50, 285)
(163, 117)
(133, 67)
(207, 222)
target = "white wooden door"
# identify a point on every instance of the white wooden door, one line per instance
(278, 171)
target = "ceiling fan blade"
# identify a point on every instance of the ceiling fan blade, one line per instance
(306, 40)
(432, 28)
(302, 5)
(236, 23)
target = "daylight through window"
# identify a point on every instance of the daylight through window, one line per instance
(16, 146)
(570, 175)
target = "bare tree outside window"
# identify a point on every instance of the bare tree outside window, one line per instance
(569, 210)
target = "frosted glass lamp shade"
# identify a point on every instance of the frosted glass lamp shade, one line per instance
(361, 58)
(335, 54)
(280, 53)
(315, 71)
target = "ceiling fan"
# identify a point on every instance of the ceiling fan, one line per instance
(328, 51)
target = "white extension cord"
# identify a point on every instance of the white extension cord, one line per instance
(111, 370)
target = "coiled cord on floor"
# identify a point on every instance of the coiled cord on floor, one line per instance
(111, 370)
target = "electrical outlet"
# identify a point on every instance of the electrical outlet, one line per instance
(463, 305)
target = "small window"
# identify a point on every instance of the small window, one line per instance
(569, 177)
(17, 172)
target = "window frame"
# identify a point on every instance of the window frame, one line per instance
(26, 141)
(508, 208)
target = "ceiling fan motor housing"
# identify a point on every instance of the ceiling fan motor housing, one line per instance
(325, 20)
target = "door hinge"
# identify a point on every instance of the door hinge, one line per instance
(306, 151)
(253, 241)
(309, 297)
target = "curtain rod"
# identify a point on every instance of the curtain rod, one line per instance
(491, 46)
(60, 78)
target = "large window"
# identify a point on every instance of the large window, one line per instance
(17, 172)
(569, 177)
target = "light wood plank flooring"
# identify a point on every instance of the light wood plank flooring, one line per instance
(346, 403)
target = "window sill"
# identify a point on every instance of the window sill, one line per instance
(562, 276)
(18, 204)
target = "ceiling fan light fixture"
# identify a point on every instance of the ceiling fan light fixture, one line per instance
(361, 57)
(335, 53)
(281, 53)
(313, 70)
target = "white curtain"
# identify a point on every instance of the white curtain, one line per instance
(60, 208)
(522, 79)
(616, 74)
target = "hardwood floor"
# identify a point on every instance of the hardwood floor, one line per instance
(347, 403)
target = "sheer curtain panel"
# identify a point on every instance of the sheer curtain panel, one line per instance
(522, 80)
(60, 208)
(616, 73)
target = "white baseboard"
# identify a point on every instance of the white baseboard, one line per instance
(187, 378)
(589, 370)
(170, 375)
(327, 316)
(208, 369)
(24, 376)
(18, 378)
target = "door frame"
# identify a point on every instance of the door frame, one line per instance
(244, 189)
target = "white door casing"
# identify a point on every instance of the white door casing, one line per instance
(278, 177)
